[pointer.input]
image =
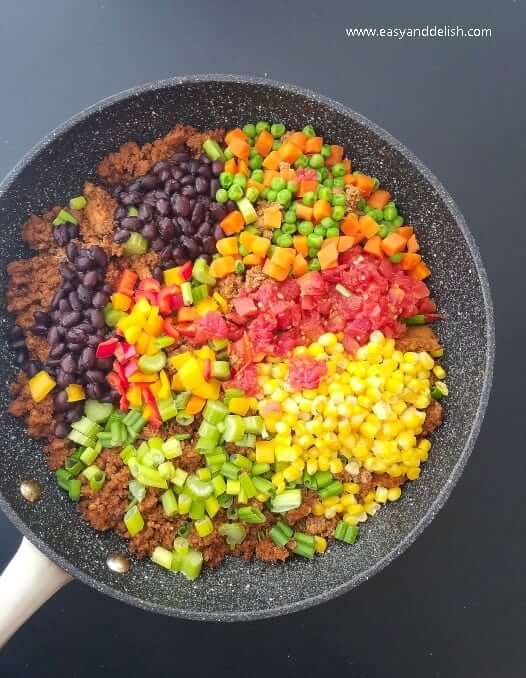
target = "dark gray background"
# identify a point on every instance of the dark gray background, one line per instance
(454, 604)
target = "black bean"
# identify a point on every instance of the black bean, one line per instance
(83, 263)
(68, 364)
(87, 358)
(75, 347)
(132, 223)
(217, 211)
(201, 185)
(149, 231)
(204, 230)
(158, 244)
(71, 251)
(217, 167)
(53, 336)
(150, 199)
(104, 364)
(177, 174)
(93, 340)
(189, 192)
(182, 206)
(145, 212)
(148, 182)
(198, 213)
(16, 333)
(63, 306)
(57, 350)
(214, 187)
(96, 375)
(171, 186)
(107, 288)
(60, 430)
(165, 175)
(209, 245)
(188, 180)
(60, 233)
(84, 294)
(120, 213)
(180, 157)
(190, 245)
(135, 186)
(74, 301)
(165, 254)
(121, 235)
(131, 198)
(178, 255)
(205, 172)
(40, 330)
(90, 279)
(73, 231)
(230, 205)
(96, 318)
(218, 232)
(160, 166)
(61, 401)
(99, 256)
(100, 299)
(66, 270)
(76, 335)
(157, 273)
(166, 229)
(93, 391)
(73, 415)
(70, 319)
(42, 318)
(33, 368)
(21, 357)
(163, 207)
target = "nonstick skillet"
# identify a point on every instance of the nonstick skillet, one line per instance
(56, 169)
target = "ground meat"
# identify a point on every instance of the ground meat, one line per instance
(271, 553)
(32, 283)
(365, 480)
(190, 460)
(106, 508)
(213, 547)
(248, 546)
(434, 417)
(132, 161)
(56, 452)
(352, 197)
(324, 527)
(385, 480)
(195, 141)
(418, 338)
(292, 517)
(254, 277)
(229, 286)
(37, 346)
(38, 230)
(96, 225)
(38, 416)
(143, 265)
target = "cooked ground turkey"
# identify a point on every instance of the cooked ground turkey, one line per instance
(96, 224)
(352, 197)
(254, 278)
(271, 553)
(229, 286)
(143, 265)
(132, 161)
(105, 509)
(418, 338)
(38, 230)
(56, 452)
(434, 417)
(324, 527)
(38, 416)
(292, 517)
(158, 529)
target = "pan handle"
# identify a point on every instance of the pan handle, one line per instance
(26, 583)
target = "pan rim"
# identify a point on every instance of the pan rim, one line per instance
(474, 431)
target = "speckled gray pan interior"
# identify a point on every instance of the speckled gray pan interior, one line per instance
(55, 170)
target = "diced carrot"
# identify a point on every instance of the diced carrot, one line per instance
(349, 179)
(347, 164)
(236, 132)
(264, 143)
(365, 184)
(299, 266)
(274, 271)
(379, 199)
(227, 246)
(287, 174)
(283, 256)
(194, 405)
(420, 271)
(410, 260)
(307, 186)
(272, 217)
(127, 282)
(313, 145)
(233, 223)
(328, 242)
(328, 255)
(252, 260)
(345, 242)
(412, 244)
(255, 184)
(289, 152)
(301, 244)
(239, 147)
(335, 156)
(271, 161)
(405, 231)
(320, 210)
(187, 314)
(246, 238)
(260, 245)
(374, 246)
(242, 168)
(393, 244)
(222, 266)
(368, 226)
(231, 166)
(268, 175)
(299, 139)
(303, 212)
(350, 225)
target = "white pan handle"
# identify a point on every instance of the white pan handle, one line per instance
(26, 583)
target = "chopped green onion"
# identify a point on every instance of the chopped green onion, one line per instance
(184, 529)
(212, 506)
(323, 478)
(73, 466)
(127, 453)
(191, 565)
(147, 476)
(345, 532)
(334, 489)
(197, 509)
(286, 529)
(169, 503)
(167, 408)
(260, 469)
(171, 448)
(230, 470)
(97, 480)
(221, 369)
(182, 436)
(247, 486)
(181, 399)
(204, 526)
(199, 292)
(62, 217)
(78, 203)
(184, 419)
(184, 502)
(278, 537)
(133, 520)
(199, 488)
(234, 533)
(263, 486)
(162, 557)
(137, 490)
(251, 515)
(213, 149)
(219, 485)
(74, 489)
(180, 477)
(241, 461)
(286, 501)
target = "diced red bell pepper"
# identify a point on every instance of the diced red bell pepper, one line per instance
(207, 369)
(176, 301)
(245, 306)
(170, 329)
(107, 348)
(186, 329)
(148, 397)
(125, 351)
(116, 383)
(167, 298)
(186, 270)
(123, 403)
(130, 367)
(119, 369)
(152, 297)
(150, 285)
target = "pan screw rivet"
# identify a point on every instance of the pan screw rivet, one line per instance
(117, 562)
(31, 490)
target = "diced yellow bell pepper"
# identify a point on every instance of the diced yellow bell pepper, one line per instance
(239, 406)
(147, 412)
(205, 306)
(172, 276)
(131, 334)
(177, 384)
(191, 374)
(155, 387)
(134, 396)
(209, 390)
(164, 389)
(142, 307)
(140, 377)
(222, 302)
(40, 385)
(265, 452)
(152, 349)
(75, 392)
(205, 353)
(254, 403)
(120, 301)
(142, 343)
(154, 324)
(194, 405)
(178, 360)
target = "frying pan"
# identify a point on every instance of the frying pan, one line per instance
(56, 169)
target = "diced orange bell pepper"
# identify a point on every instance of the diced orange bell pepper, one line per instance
(313, 145)
(320, 210)
(299, 266)
(272, 161)
(243, 168)
(127, 282)
(307, 186)
(232, 223)
(368, 226)
(252, 260)
(272, 217)
(364, 184)
(349, 179)
(264, 143)
(410, 260)
(420, 271)
(274, 271)
(335, 156)
(187, 314)
(405, 231)
(303, 212)
(221, 267)
(412, 244)
(301, 244)
(120, 301)
(350, 225)
(283, 257)
(268, 176)
(374, 246)
(194, 405)
(260, 245)
(289, 152)
(227, 246)
(231, 166)
(299, 139)
(393, 244)
(379, 199)
(236, 132)
(345, 242)
(328, 255)
(246, 238)
(239, 147)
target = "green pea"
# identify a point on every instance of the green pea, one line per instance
(325, 193)
(362, 205)
(277, 130)
(276, 145)
(255, 162)
(221, 195)
(243, 250)
(284, 240)
(313, 252)
(383, 231)
(252, 193)
(314, 264)
(261, 125)
(257, 175)
(264, 194)
(320, 230)
(339, 182)
(250, 130)
(328, 182)
(240, 180)
(325, 150)
(376, 214)
(366, 208)
(338, 170)
(252, 152)
(228, 154)
(235, 192)
(338, 199)
(305, 227)
(284, 197)
(399, 221)
(272, 195)
(396, 258)
(327, 222)
(337, 212)
(324, 173)
(333, 232)
(276, 234)
(225, 179)
(278, 184)
(390, 213)
(290, 217)
(293, 186)
(302, 161)
(308, 131)
(289, 229)
(316, 161)
(309, 198)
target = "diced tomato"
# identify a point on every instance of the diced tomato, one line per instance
(186, 329)
(186, 270)
(170, 329)
(246, 379)
(106, 349)
(150, 285)
(305, 372)
(244, 306)
(116, 383)
(152, 297)
(168, 299)
(130, 368)
(124, 352)
(123, 403)
(148, 397)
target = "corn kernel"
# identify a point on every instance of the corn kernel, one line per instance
(318, 509)
(320, 544)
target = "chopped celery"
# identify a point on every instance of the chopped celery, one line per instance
(197, 509)
(213, 149)
(166, 469)
(253, 424)
(167, 409)
(241, 461)
(74, 489)
(80, 438)
(199, 488)
(135, 245)
(260, 469)
(162, 557)
(172, 448)
(97, 411)
(215, 411)
(247, 486)
(286, 501)
(199, 292)
(247, 210)
(263, 485)
(181, 399)
(212, 506)
(191, 565)
(184, 502)
(186, 291)
(221, 369)
(201, 272)
(169, 502)
(180, 477)
(219, 485)
(234, 428)
(251, 515)
(86, 427)
(204, 526)
(150, 364)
